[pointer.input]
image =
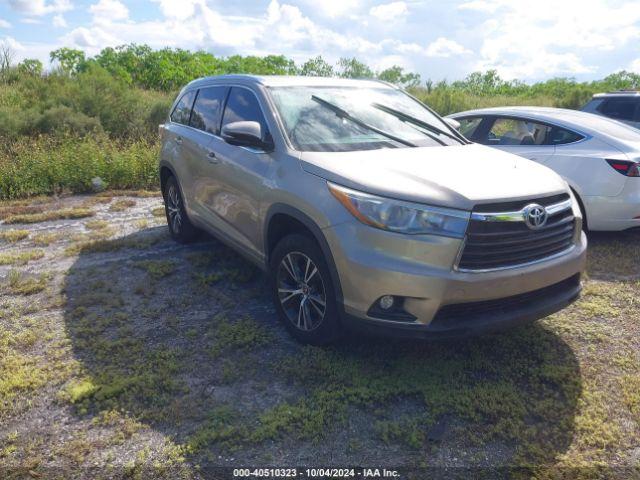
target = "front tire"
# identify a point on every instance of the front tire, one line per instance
(180, 227)
(303, 292)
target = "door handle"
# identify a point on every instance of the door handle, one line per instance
(179, 140)
(211, 156)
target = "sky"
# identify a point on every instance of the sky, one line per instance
(527, 40)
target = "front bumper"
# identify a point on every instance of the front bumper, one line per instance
(372, 263)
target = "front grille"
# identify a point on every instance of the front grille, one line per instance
(500, 244)
(457, 314)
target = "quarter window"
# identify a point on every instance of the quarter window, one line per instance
(561, 136)
(243, 106)
(513, 131)
(468, 126)
(182, 112)
(208, 109)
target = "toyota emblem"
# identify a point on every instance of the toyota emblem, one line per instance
(535, 216)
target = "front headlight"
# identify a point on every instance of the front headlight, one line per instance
(399, 216)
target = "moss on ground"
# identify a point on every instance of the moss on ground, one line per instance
(50, 215)
(13, 236)
(20, 257)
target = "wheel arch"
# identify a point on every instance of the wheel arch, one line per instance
(165, 171)
(585, 219)
(282, 219)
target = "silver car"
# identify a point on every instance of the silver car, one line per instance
(367, 209)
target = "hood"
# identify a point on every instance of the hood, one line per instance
(457, 176)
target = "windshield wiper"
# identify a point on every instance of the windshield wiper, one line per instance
(416, 121)
(346, 115)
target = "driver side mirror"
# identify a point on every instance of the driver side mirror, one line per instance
(245, 134)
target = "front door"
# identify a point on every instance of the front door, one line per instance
(236, 176)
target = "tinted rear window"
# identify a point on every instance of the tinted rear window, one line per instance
(619, 108)
(182, 112)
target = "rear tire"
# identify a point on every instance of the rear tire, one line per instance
(180, 227)
(303, 292)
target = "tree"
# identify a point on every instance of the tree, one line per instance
(31, 66)
(352, 68)
(622, 80)
(397, 76)
(71, 61)
(316, 67)
(6, 57)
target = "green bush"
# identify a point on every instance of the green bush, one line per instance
(66, 120)
(48, 164)
(92, 101)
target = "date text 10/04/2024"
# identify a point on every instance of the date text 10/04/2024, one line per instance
(316, 472)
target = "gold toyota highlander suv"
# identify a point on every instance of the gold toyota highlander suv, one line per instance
(367, 208)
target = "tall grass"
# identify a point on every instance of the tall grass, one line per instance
(446, 101)
(47, 165)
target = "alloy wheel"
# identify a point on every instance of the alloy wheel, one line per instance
(301, 291)
(174, 209)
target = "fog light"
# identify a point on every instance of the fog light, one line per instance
(386, 302)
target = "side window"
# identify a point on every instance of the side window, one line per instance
(593, 105)
(182, 112)
(243, 106)
(619, 108)
(469, 125)
(561, 136)
(513, 131)
(208, 109)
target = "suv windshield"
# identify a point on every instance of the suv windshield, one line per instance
(311, 126)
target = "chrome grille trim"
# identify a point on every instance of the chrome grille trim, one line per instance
(502, 240)
(518, 216)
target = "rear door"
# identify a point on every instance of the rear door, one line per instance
(177, 145)
(520, 136)
(205, 130)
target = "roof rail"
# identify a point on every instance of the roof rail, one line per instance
(626, 90)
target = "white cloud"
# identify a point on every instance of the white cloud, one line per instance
(480, 6)
(411, 48)
(555, 38)
(443, 47)
(178, 9)
(4, 24)
(92, 40)
(634, 66)
(59, 21)
(389, 11)
(335, 8)
(40, 7)
(109, 10)
(12, 43)
(31, 21)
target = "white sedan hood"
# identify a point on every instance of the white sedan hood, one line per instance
(456, 176)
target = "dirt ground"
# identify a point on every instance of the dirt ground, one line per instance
(126, 355)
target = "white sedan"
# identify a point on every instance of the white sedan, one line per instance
(597, 156)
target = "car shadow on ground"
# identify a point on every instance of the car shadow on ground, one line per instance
(184, 339)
